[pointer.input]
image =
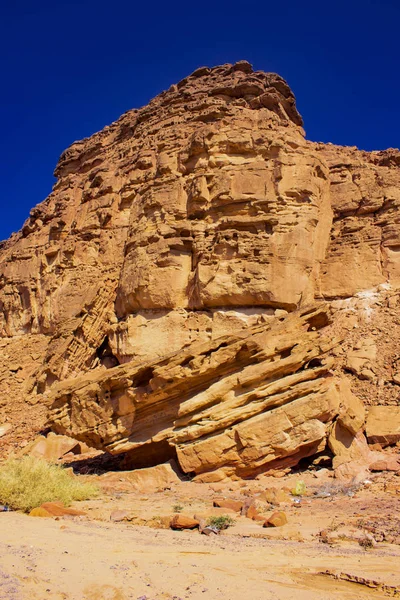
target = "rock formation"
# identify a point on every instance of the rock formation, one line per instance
(176, 239)
(259, 399)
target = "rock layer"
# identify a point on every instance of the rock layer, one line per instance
(201, 215)
(243, 403)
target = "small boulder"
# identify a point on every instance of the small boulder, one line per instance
(154, 478)
(234, 505)
(251, 512)
(118, 515)
(277, 519)
(39, 512)
(210, 530)
(355, 470)
(53, 447)
(367, 375)
(248, 503)
(274, 496)
(390, 464)
(348, 447)
(183, 522)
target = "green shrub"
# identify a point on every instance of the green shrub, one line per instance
(177, 508)
(27, 482)
(220, 522)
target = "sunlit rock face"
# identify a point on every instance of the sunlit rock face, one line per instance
(200, 215)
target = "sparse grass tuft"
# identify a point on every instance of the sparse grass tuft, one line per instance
(177, 508)
(220, 522)
(27, 482)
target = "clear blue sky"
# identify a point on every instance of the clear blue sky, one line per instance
(70, 68)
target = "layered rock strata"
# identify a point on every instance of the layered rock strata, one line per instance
(243, 403)
(203, 214)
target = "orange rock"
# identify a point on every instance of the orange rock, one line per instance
(183, 522)
(274, 496)
(277, 519)
(40, 512)
(383, 425)
(259, 517)
(52, 447)
(235, 505)
(390, 464)
(252, 513)
(57, 509)
(154, 478)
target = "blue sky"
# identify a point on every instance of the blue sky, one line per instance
(69, 69)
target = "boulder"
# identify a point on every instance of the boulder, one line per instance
(252, 513)
(348, 447)
(390, 464)
(352, 413)
(154, 478)
(247, 403)
(210, 531)
(383, 425)
(183, 522)
(354, 471)
(277, 519)
(53, 447)
(119, 515)
(274, 496)
(234, 505)
(40, 512)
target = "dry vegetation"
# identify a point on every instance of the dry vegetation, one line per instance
(28, 482)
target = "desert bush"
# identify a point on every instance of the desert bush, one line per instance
(177, 508)
(220, 522)
(27, 482)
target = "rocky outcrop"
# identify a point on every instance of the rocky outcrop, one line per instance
(204, 214)
(239, 405)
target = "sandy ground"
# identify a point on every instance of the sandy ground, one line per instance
(43, 558)
(95, 558)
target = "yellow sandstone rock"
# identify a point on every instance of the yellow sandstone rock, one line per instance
(277, 519)
(40, 512)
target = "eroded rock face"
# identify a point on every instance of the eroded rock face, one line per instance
(203, 214)
(241, 404)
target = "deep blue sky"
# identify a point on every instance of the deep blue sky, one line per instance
(70, 68)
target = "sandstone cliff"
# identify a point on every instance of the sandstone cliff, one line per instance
(204, 214)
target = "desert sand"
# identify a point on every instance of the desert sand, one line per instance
(98, 557)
